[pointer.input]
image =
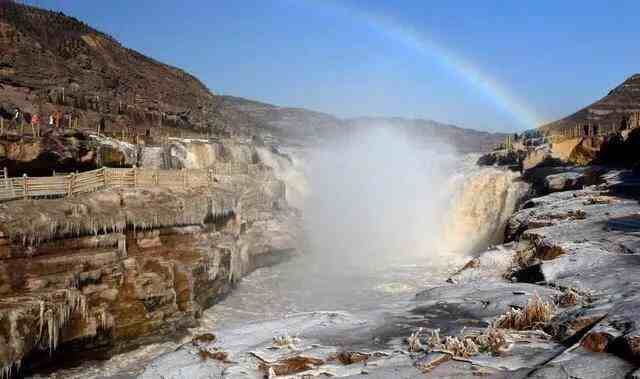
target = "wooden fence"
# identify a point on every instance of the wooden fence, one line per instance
(128, 135)
(90, 181)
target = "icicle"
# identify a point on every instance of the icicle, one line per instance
(41, 303)
(7, 370)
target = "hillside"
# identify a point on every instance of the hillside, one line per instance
(617, 110)
(50, 62)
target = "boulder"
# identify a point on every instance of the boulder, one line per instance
(573, 179)
(490, 265)
(564, 181)
(501, 158)
(476, 303)
(581, 363)
(537, 157)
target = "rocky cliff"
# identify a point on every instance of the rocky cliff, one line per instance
(618, 110)
(105, 272)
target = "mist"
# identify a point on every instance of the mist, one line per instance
(377, 197)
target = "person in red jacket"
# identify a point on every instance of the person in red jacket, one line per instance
(56, 119)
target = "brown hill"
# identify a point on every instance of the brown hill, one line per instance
(51, 61)
(618, 110)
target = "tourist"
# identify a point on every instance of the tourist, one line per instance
(17, 117)
(50, 121)
(101, 126)
(35, 124)
(56, 117)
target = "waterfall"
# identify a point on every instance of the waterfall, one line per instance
(379, 197)
(482, 201)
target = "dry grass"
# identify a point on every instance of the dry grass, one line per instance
(521, 259)
(290, 366)
(350, 357)
(203, 339)
(598, 200)
(206, 352)
(460, 346)
(285, 341)
(434, 341)
(414, 341)
(577, 214)
(492, 340)
(216, 354)
(569, 298)
(534, 315)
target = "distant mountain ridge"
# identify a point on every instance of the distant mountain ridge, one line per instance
(305, 124)
(50, 61)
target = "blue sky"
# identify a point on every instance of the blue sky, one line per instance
(490, 65)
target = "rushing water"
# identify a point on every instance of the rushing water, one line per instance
(470, 217)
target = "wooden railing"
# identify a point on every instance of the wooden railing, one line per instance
(59, 186)
(132, 136)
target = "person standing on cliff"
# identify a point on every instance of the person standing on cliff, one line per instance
(35, 124)
(51, 121)
(17, 117)
(56, 118)
(101, 125)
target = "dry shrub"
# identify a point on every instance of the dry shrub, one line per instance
(350, 357)
(207, 353)
(414, 341)
(522, 258)
(434, 341)
(491, 340)
(534, 315)
(216, 354)
(598, 200)
(568, 298)
(203, 339)
(290, 366)
(577, 214)
(464, 347)
(285, 341)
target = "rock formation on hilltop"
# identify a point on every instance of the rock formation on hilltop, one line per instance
(618, 110)
(605, 132)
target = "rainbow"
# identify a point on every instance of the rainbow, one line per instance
(420, 43)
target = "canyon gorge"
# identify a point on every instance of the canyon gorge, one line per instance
(156, 229)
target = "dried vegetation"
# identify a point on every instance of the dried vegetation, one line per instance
(491, 340)
(534, 315)
(285, 342)
(290, 366)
